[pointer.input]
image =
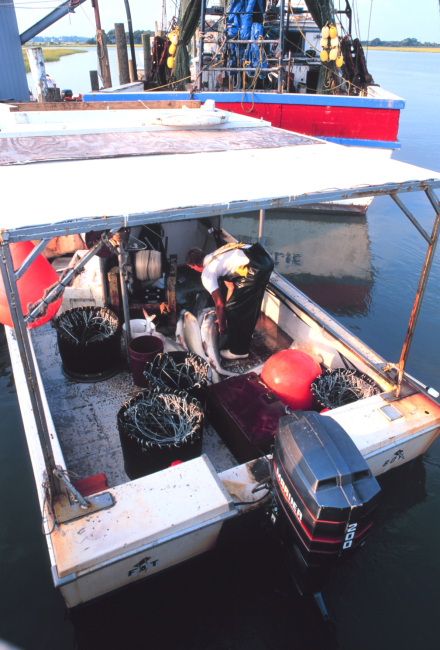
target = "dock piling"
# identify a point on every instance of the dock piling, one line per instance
(94, 80)
(38, 69)
(147, 53)
(121, 50)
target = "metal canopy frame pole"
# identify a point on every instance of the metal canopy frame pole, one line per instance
(115, 222)
(261, 227)
(22, 337)
(281, 52)
(432, 245)
(123, 258)
(201, 41)
(130, 36)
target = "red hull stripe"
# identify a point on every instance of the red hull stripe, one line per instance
(325, 121)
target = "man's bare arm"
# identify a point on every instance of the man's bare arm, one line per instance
(220, 309)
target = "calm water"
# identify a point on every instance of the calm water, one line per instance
(387, 596)
(73, 71)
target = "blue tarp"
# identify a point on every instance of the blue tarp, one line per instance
(239, 25)
(255, 53)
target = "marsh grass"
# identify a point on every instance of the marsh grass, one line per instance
(51, 55)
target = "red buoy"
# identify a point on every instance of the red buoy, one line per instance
(289, 374)
(31, 286)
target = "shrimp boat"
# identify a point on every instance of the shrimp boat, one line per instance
(263, 59)
(314, 482)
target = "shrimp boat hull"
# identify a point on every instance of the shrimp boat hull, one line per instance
(135, 529)
(285, 91)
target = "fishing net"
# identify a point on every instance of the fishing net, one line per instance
(189, 17)
(161, 419)
(178, 371)
(342, 386)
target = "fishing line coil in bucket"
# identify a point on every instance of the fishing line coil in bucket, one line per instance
(179, 371)
(342, 386)
(156, 429)
(89, 342)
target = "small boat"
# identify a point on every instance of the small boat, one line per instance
(311, 476)
(283, 84)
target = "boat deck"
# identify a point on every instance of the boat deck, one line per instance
(84, 414)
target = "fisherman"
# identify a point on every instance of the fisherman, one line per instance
(245, 271)
(50, 83)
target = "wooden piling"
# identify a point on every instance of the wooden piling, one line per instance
(147, 53)
(101, 46)
(38, 69)
(53, 95)
(121, 49)
(94, 80)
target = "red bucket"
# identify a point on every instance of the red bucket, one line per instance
(143, 349)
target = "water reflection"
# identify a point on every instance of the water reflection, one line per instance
(327, 257)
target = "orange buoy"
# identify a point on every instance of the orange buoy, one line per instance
(289, 374)
(31, 286)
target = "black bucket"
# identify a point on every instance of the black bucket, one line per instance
(179, 371)
(89, 341)
(149, 444)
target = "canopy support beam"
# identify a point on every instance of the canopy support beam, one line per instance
(30, 258)
(50, 19)
(421, 288)
(413, 220)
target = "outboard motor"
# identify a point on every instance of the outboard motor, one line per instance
(325, 496)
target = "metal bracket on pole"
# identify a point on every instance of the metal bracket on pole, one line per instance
(73, 505)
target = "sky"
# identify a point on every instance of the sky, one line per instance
(390, 19)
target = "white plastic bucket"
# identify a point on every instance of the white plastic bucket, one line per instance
(139, 328)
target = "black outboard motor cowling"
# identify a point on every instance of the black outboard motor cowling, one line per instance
(326, 495)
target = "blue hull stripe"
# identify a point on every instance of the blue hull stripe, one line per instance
(351, 142)
(258, 98)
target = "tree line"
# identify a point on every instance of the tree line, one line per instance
(407, 42)
(110, 37)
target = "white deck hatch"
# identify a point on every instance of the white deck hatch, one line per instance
(146, 510)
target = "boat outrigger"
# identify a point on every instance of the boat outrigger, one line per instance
(316, 485)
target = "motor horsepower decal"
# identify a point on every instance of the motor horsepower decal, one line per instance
(287, 495)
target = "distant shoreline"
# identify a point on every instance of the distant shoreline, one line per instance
(435, 50)
(51, 55)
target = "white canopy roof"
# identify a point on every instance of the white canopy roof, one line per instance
(53, 198)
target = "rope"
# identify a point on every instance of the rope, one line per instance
(166, 85)
(369, 22)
